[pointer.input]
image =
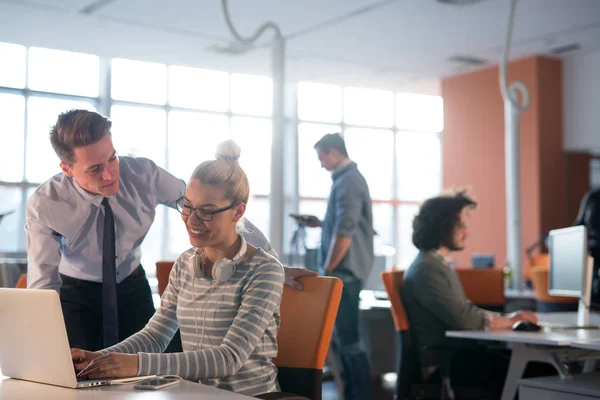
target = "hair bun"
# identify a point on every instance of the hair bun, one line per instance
(228, 151)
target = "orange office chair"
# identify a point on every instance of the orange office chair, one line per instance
(307, 319)
(533, 261)
(408, 368)
(409, 383)
(22, 282)
(163, 269)
(539, 260)
(484, 287)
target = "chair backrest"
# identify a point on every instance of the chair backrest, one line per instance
(307, 319)
(540, 260)
(22, 282)
(539, 279)
(163, 269)
(484, 287)
(535, 260)
(392, 282)
(408, 363)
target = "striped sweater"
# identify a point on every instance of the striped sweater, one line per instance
(228, 329)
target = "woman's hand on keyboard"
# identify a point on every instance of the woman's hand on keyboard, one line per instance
(82, 358)
(112, 365)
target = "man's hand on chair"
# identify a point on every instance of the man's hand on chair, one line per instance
(292, 274)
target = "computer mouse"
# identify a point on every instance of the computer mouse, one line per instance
(526, 326)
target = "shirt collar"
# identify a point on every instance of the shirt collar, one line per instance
(342, 167)
(438, 254)
(95, 199)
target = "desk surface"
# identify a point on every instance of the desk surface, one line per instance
(550, 338)
(514, 294)
(368, 301)
(554, 337)
(567, 318)
(584, 384)
(15, 389)
(587, 344)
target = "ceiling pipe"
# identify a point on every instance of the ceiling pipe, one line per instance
(278, 76)
(512, 111)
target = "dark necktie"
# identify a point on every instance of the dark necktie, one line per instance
(109, 279)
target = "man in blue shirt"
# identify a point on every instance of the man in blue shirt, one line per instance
(347, 253)
(85, 227)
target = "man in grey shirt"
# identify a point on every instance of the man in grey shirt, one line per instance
(85, 227)
(435, 301)
(347, 253)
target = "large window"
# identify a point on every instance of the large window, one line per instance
(176, 115)
(13, 70)
(394, 139)
(36, 85)
(172, 115)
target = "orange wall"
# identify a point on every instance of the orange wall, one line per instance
(473, 153)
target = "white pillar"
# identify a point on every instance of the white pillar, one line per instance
(513, 191)
(277, 148)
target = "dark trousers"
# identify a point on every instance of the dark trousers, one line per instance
(347, 347)
(486, 368)
(82, 308)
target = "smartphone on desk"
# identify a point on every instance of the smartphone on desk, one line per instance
(156, 383)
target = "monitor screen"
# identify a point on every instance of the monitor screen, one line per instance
(374, 281)
(568, 258)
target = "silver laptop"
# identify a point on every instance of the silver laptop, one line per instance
(33, 340)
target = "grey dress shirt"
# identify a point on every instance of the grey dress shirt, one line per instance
(63, 231)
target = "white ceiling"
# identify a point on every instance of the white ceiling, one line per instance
(394, 44)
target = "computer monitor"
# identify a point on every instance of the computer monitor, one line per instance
(571, 268)
(481, 260)
(374, 281)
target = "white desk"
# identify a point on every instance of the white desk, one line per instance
(544, 338)
(566, 318)
(514, 294)
(588, 344)
(13, 389)
(581, 387)
(550, 346)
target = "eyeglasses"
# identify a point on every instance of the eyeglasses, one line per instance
(201, 213)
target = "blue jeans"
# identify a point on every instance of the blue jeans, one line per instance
(347, 347)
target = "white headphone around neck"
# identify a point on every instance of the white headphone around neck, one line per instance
(223, 268)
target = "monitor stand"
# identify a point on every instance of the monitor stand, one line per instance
(583, 311)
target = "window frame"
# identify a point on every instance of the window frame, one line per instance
(103, 104)
(396, 202)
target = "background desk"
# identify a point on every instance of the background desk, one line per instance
(519, 300)
(552, 346)
(378, 334)
(554, 337)
(567, 318)
(588, 344)
(581, 387)
(12, 389)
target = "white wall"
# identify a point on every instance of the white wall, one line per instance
(581, 102)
